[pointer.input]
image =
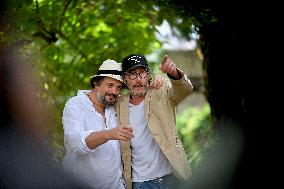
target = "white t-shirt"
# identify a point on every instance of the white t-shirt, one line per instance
(101, 167)
(148, 161)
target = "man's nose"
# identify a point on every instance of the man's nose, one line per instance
(115, 90)
(138, 78)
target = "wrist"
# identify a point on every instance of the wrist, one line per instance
(107, 135)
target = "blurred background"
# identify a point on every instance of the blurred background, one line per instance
(65, 41)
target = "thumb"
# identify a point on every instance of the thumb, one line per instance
(163, 61)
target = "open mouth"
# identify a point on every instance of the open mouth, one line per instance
(139, 85)
(112, 97)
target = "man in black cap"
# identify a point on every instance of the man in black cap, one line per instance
(156, 150)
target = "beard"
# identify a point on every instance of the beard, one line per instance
(103, 100)
(133, 91)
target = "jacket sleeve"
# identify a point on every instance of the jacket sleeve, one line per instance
(73, 125)
(177, 90)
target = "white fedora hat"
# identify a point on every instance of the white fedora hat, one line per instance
(110, 68)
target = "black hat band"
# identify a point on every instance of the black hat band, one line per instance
(113, 72)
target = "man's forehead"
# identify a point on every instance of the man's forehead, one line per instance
(111, 80)
(140, 68)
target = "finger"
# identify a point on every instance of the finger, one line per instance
(154, 82)
(172, 65)
(163, 61)
(125, 137)
(171, 68)
(159, 82)
(164, 65)
(126, 126)
(167, 65)
(128, 129)
(128, 133)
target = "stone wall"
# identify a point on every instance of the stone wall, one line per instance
(191, 64)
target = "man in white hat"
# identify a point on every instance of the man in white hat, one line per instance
(91, 135)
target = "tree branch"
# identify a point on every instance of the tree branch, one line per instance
(42, 32)
(63, 13)
(72, 45)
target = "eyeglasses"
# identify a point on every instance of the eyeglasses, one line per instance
(133, 75)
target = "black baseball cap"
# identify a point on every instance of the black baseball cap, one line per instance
(132, 61)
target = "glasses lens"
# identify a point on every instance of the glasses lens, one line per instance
(143, 74)
(132, 75)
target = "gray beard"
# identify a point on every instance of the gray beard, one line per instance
(133, 93)
(103, 100)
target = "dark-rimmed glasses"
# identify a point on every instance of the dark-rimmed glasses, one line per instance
(133, 75)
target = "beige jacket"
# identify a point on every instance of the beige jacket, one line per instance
(160, 110)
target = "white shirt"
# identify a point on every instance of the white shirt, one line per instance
(148, 161)
(101, 167)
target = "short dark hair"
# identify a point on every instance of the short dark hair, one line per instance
(96, 81)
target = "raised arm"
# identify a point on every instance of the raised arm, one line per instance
(180, 86)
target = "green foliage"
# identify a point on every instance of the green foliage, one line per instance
(87, 33)
(194, 127)
(68, 40)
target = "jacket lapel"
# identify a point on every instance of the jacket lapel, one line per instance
(125, 146)
(147, 104)
(124, 110)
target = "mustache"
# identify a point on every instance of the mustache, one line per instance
(111, 95)
(139, 85)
